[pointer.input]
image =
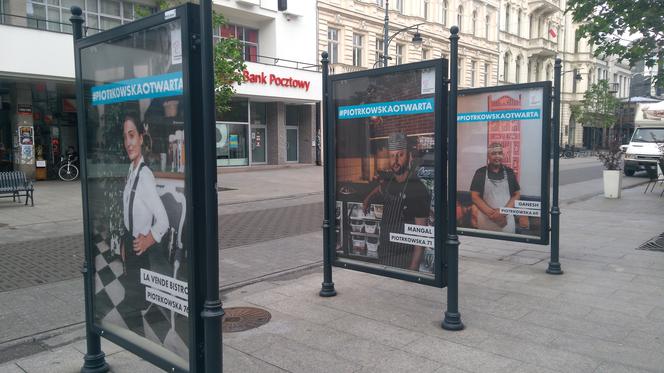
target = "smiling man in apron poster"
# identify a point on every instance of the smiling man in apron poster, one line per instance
(406, 201)
(495, 186)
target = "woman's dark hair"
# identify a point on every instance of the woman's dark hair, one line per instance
(134, 119)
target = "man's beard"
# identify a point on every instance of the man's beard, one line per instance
(400, 171)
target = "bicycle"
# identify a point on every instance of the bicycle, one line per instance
(567, 152)
(68, 170)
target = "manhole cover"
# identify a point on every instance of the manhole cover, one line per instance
(654, 244)
(223, 189)
(239, 319)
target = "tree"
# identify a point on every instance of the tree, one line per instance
(598, 107)
(606, 22)
(228, 60)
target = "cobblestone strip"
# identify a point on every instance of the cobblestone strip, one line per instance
(35, 262)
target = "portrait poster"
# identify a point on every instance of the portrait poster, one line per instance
(137, 190)
(502, 162)
(385, 127)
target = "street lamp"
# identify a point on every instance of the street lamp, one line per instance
(417, 38)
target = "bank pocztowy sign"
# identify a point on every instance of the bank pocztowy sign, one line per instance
(273, 79)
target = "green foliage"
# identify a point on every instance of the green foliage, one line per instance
(606, 22)
(228, 61)
(598, 107)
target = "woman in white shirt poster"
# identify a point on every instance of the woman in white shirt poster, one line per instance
(145, 222)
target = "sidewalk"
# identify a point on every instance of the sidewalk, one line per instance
(605, 314)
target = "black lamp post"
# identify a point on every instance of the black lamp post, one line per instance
(417, 38)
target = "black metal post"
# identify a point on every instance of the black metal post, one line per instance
(94, 360)
(212, 308)
(554, 264)
(327, 289)
(452, 319)
(318, 133)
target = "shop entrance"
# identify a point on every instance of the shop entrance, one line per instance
(292, 150)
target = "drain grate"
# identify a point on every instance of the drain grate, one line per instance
(654, 244)
(239, 319)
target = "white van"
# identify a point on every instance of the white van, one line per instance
(642, 152)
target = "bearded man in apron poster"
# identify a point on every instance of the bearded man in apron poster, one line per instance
(495, 186)
(405, 200)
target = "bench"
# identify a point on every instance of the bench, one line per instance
(13, 183)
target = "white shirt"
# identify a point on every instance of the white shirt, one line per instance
(149, 214)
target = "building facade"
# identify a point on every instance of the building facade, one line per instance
(502, 42)
(272, 121)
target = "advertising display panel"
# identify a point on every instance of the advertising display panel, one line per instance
(138, 185)
(389, 130)
(503, 136)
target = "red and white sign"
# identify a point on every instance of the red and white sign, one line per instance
(280, 82)
(272, 79)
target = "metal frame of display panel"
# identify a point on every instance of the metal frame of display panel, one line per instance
(193, 178)
(545, 161)
(440, 67)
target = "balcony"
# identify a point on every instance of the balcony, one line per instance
(542, 47)
(340, 68)
(544, 7)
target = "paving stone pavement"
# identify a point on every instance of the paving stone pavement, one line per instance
(605, 314)
(43, 261)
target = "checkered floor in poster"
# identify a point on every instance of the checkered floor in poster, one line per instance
(163, 320)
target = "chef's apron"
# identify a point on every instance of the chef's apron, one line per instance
(392, 253)
(496, 194)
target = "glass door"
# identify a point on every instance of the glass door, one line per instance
(291, 144)
(258, 144)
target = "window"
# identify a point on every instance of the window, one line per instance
(99, 14)
(518, 23)
(399, 54)
(517, 70)
(473, 70)
(380, 3)
(357, 49)
(248, 37)
(576, 41)
(460, 17)
(475, 22)
(506, 66)
(399, 6)
(487, 69)
(549, 68)
(425, 54)
(486, 26)
(574, 84)
(379, 49)
(333, 44)
(445, 7)
(426, 9)
(460, 77)
(507, 18)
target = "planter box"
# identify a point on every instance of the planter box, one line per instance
(612, 183)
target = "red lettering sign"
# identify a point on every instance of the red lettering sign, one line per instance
(281, 81)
